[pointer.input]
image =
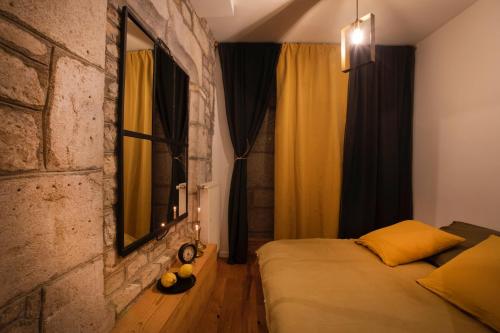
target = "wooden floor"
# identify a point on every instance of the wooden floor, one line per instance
(237, 303)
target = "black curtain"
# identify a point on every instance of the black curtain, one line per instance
(171, 103)
(377, 175)
(249, 77)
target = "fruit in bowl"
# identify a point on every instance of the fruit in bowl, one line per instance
(185, 271)
(168, 279)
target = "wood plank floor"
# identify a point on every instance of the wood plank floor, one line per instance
(237, 302)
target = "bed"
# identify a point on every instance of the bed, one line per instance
(334, 285)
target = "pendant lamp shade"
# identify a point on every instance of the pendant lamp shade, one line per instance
(358, 43)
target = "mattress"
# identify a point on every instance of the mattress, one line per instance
(333, 285)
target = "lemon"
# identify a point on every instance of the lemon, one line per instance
(168, 279)
(185, 271)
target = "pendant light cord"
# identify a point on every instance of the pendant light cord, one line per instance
(357, 15)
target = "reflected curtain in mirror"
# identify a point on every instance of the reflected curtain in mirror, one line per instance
(138, 96)
(310, 117)
(171, 101)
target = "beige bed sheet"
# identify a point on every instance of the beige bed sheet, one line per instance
(332, 285)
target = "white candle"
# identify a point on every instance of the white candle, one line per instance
(175, 212)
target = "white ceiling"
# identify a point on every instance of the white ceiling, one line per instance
(396, 21)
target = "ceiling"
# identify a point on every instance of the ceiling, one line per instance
(317, 21)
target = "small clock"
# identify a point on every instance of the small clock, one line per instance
(187, 253)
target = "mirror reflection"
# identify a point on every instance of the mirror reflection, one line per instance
(137, 118)
(171, 103)
(138, 94)
(153, 144)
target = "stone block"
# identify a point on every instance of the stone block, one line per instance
(24, 42)
(137, 263)
(161, 7)
(113, 262)
(111, 87)
(22, 81)
(11, 312)
(148, 247)
(260, 220)
(75, 302)
(86, 21)
(75, 120)
(150, 16)
(110, 111)
(164, 261)
(112, 33)
(109, 227)
(22, 326)
(198, 141)
(50, 223)
(113, 15)
(114, 281)
(110, 195)
(263, 198)
(111, 67)
(264, 143)
(157, 251)
(109, 138)
(206, 85)
(149, 274)
(260, 170)
(202, 37)
(20, 139)
(110, 259)
(195, 106)
(186, 14)
(112, 51)
(268, 124)
(33, 305)
(184, 45)
(125, 296)
(109, 165)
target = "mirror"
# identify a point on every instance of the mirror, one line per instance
(172, 87)
(152, 160)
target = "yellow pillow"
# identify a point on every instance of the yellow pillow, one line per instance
(471, 281)
(408, 241)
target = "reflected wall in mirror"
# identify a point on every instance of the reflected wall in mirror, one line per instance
(153, 138)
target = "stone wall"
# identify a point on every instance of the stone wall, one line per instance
(261, 185)
(51, 161)
(58, 86)
(192, 46)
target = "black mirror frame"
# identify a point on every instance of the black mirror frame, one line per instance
(123, 250)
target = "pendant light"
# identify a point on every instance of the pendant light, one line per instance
(358, 42)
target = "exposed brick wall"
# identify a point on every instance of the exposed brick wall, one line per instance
(58, 91)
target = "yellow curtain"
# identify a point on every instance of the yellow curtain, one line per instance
(310, 120)
(138, 101)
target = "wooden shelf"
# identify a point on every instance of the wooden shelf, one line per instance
(156, 312)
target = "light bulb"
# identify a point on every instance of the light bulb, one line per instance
(357, 36)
